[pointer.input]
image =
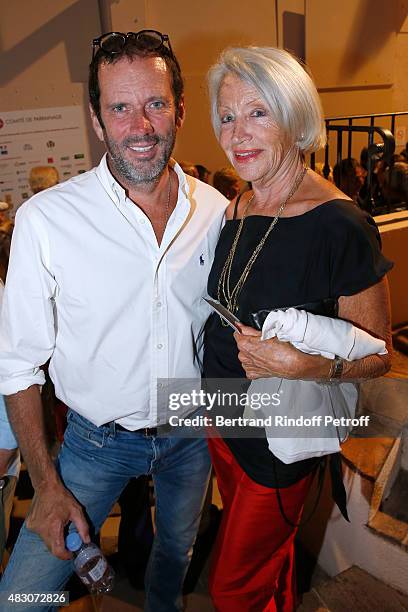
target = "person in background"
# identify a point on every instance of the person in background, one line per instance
(9, 471)
(294, 240)
(348, 176)
(6, 224)
(6, 231)
(9, 467)
(106, 280)
(227, 182)
(370, 199)
(394, 184)
(364, 158)
(404, 152)
(203, 173)
(319, 168)
(189, 168)
(55, 411)
(43, 177)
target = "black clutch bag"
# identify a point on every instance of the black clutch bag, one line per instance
(327, 307)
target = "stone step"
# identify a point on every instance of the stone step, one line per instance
(311, 603)
(354, 590)
(396, 504)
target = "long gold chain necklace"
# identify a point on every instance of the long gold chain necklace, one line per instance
(226, 294)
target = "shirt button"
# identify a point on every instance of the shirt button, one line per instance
(159, 346)
(142, 221)
(158, 304)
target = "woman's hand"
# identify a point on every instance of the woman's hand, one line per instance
(265, 358)
(368, 309)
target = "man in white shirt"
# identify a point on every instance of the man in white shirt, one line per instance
(106, 278)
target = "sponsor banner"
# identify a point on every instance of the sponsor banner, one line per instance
(40, 137)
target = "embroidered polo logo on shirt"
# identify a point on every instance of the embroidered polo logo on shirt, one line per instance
(201, 260)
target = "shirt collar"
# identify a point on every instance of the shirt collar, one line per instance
(111, 185)
(118, 194)
(183, 184)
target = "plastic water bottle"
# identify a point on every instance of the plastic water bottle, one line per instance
(90, 564)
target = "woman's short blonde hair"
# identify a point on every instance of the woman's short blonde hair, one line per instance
(43, 177)
(285, 86)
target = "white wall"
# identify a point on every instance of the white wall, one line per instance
(198, 32)
(357, 49)
(45, 54)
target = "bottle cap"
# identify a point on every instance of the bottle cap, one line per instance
(73, 541)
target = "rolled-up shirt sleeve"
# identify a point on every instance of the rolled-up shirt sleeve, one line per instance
(27, 326)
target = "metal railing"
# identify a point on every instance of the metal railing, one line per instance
(375, 150)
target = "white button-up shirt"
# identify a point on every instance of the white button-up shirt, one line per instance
(89, 287)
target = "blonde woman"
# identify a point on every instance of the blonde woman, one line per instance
(293, 240)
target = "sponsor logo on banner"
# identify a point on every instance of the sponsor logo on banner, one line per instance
(39, 137)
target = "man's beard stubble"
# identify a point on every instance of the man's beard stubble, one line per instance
(142, 171)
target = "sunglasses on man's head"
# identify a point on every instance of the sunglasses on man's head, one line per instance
(147, 40)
